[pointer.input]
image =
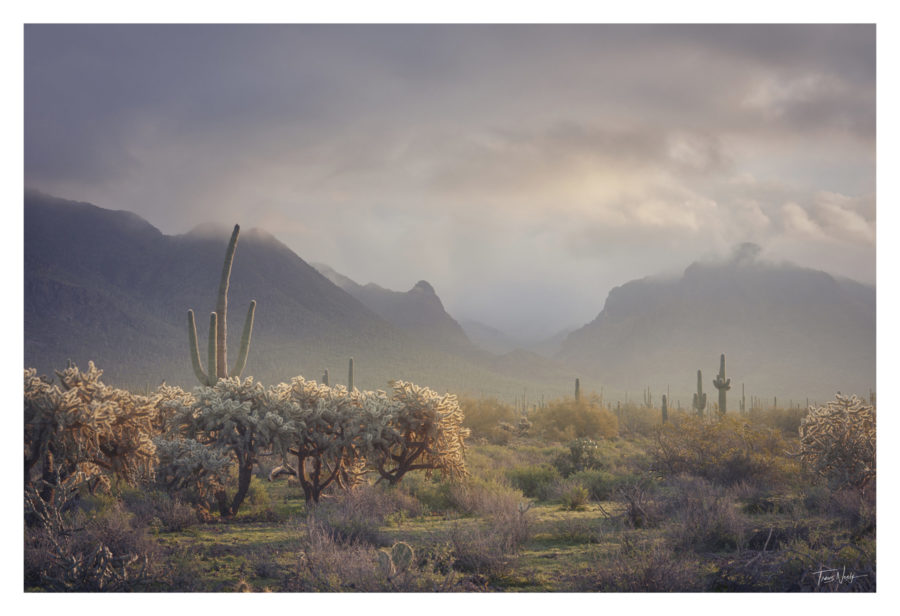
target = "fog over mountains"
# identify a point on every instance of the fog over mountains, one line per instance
(107, 285)
(786, 330)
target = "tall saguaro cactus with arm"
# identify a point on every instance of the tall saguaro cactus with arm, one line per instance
(699, 396)
(217, 363)
(722, 384)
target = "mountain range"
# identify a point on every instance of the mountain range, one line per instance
(108, 286)
(786, 331)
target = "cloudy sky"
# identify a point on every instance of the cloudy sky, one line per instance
(522, 170)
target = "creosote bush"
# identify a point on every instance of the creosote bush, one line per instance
(728, 450)
(485, 418)
(537, 481)
(568, 419)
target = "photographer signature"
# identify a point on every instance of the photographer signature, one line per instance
(839, 576)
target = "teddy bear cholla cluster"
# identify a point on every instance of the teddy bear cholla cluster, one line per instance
(328, 434)
(83, 431)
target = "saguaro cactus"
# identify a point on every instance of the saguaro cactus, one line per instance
(217, 363)
(665, 409)
(699, 396)
(722, 384)
(577, 390)
(350, 376)
(325, 377)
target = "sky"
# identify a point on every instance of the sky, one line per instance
(524, 171)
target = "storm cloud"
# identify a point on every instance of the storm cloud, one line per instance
(522, 170)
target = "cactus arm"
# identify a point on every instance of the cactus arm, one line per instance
(222, 307)
(195, 350)
(213, 372)
(245, 342)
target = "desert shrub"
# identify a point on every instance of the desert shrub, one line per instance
(727, 451)
(537, 481)
(573, 496)
(105, 552)
(640, 566)
(639, 509)
(157, 509)
(486, 498)
(637, 420)
(583, 454)
(488, 546)
(567, 419)
(756, 499)
(358, 515)
(599, 484)
(704, 517)
(433, 494)
(485, 416)
(837, 442)
(785, 419)
(854, 509)
(326, 564)
(804, 566)
(577, 530)
(490, 549)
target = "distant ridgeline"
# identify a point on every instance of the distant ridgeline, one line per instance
(787, 331)
(107, 286)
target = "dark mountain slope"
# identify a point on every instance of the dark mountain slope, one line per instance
(418, 311)
(786, 331)
(109, 287)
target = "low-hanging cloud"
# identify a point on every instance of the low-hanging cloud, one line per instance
(523, 170)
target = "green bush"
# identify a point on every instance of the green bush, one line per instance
(574, 496)
(638, 420)
(567, 419)
(599, 484)
(727, 451)
(583, 454)
(485, 416)
(535, 481)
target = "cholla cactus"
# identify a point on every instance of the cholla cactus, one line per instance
(186, 465)
(324, 431)
(425, 433)
(837, 442)
(87, 429)
(217, 366)
(235, 418)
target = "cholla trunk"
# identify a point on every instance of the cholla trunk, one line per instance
(245, 474)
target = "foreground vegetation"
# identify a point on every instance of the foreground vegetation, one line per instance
(571, 498)
(301, 486)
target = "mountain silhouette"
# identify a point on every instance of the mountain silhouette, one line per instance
(107, 286)
(787, 332)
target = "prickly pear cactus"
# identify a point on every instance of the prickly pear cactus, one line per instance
(385, 565)
(401, 556)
